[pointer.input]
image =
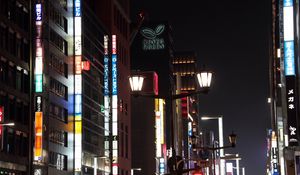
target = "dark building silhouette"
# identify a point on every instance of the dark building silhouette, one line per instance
(15, 87)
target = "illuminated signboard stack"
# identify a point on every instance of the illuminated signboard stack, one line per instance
(289, 71)
(106, 103)
(38, 76)
(78, 85)
(114, 107)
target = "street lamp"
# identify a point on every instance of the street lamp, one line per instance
(132, 170)
(204, 79)
(232, 141)
(221, 140)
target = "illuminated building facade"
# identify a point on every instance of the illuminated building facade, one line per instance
(184, 70)
(15, 87)
(284, 91)
(151, 137)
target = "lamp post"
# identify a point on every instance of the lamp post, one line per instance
(237, 159)
(232, 140)
(134, 169)
(221, 140)
(204, 79)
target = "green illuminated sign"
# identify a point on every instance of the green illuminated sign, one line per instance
(151, 39)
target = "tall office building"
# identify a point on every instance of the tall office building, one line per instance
(284, 88)
(53, 87)
(15, 87)
(115, 16)
(95, 39)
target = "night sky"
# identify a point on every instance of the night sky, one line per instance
(231, 38)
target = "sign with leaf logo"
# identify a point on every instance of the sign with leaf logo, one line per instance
(152, 41)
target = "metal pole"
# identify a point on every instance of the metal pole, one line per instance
(213, 159)
(221, 144)
(243, 170)
(237, 167)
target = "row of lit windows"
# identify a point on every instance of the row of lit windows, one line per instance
(59, 161)
(182, 61)
(59, 137)
(11, 172)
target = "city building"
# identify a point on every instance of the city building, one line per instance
(96, 39)
(184, 71)
(53, 87)
(284, 91)
(152, 50)
(114, 15)
(15, 96)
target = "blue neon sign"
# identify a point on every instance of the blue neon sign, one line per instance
(287, 3)
(77, 8)
(106, 91)
(289, 58)
(114, 74)
(38, 12)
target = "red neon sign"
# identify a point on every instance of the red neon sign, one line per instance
(1, 113)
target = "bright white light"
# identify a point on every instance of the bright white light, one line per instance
(136, 83)
(269, 100)
(278, 53)
(204, 79)
(7, 124)
(288, 23)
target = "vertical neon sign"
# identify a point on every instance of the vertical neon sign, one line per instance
(38, 74)
(289, 70)
(78, 85)
(1, 121)
(288, 31)
(106, 102)
(114, 106)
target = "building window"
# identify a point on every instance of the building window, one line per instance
(11, 43)
(59, 42)
(3, 37)
(11, 108)
(59, 137)
(11, 75)
(58, 88)
(59, 161)
(19, 79)
(58, 18)
(58, 112)
(59, 65)
(3, 70)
